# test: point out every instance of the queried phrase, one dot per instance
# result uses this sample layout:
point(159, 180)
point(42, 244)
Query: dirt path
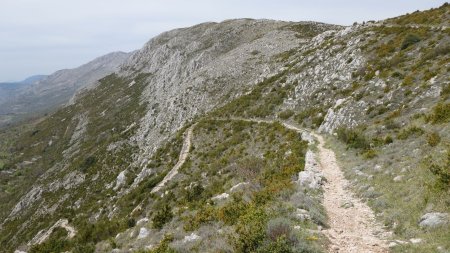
point(182, 158)
point(353, 228)
point(352, 222)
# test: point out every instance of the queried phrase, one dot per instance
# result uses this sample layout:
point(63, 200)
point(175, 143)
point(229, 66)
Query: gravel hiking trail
point(352, 224)
point(182, 158)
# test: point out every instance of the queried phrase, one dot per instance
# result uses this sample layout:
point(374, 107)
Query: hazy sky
point(41, 36)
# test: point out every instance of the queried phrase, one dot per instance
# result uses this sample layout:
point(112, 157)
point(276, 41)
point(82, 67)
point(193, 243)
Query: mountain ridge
point(52, 91)
point(378, 92)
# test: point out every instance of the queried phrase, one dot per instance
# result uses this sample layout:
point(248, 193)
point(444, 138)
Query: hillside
point(220, 138)
point(41, 94)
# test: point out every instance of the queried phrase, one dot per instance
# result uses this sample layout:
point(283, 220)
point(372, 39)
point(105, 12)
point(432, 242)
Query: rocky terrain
point(45, 93)
point(201, 142)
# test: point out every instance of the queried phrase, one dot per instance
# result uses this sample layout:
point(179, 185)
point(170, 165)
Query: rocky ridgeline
point(191, 71)
point(196, 69)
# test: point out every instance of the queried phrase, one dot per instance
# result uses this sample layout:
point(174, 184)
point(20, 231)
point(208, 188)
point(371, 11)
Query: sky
point(42, 36)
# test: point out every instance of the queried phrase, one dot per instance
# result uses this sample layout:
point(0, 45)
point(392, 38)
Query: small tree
point(162, 217)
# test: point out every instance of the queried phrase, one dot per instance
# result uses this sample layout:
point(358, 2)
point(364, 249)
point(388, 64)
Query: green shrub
point(84, 248)
point(286, 114)
point(441, 170)
point(369, 154)
point(162, 217)
point(441, 113)
point(317, 120)
point(88, 163)
point(410, 131)
point(353, 138)
point(388, 139)
point(251, 230)
point(231, 212)
point(131, 222)
point(163, 246)
point(433, 139)
point(445, 93)
point(407, 81)
point(409, 40)
point(194, 193)
point(99, 231)
point(279, 228)
point(280, 245)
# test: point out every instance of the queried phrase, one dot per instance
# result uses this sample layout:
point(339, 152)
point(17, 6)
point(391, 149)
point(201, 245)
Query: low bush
point(369, 154)
point(353, 138)
point(440, 114)
point(162, 217)
point(410, 131)
point(286, 114)
point(278, 228)
point(409, 40)
point(433, 139)
point(231, 212)
point(388, 139)
point(251, 230)
point(441, 169)
point(88, 163)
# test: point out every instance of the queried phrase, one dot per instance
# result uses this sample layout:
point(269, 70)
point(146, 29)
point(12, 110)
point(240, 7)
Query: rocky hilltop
point(201, 142)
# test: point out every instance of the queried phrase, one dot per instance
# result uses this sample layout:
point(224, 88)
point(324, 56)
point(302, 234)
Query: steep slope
point(378, 92)
point(50, 92)
point(119, 125)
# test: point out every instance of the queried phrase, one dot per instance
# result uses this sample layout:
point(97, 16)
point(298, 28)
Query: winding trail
point(352, 224)
point(353, 228)
point(182, 158)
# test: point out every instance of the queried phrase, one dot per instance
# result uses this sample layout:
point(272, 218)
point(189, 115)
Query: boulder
point(433, 220)
point(143, 232)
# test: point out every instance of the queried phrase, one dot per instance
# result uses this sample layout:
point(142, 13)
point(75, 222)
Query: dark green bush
point(88, 163)
point(162, 217)
point(410, 131)
point(433, 139)
point(388, 139)
point(441, 170)
point(409, 40)
point(99, 231)
point(286, 114)
point(441, 113)
point(131, 222)
point(84, 248)
point(353, 138)
point(194, 193)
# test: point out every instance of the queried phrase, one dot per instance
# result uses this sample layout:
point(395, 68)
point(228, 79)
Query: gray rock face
point(433, 220)
point(193, 70)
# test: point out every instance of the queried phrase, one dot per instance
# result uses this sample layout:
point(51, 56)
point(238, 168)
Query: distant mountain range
point(41, 93)
point(9, 88)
